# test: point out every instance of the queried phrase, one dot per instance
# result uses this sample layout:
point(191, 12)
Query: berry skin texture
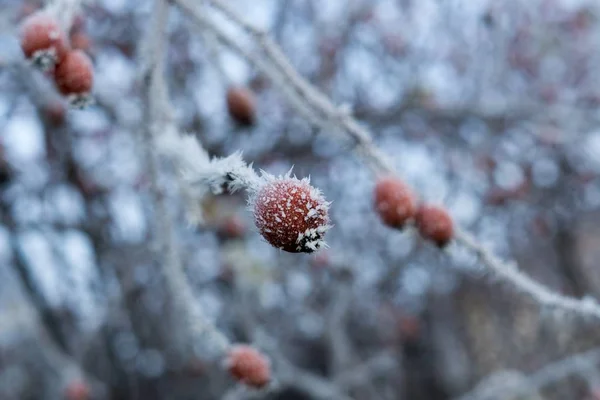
point(291, 214)
point(241, 105)
point(248, 365)
point(394, 202)
point(435, 224)
point(74, 74)
point(42, 40)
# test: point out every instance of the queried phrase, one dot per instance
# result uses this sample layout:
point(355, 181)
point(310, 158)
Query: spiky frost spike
point(290, 213)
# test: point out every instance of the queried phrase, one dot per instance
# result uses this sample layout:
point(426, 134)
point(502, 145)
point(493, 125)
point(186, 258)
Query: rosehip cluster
point(45, 44)
point(396, 205)
point(248, 365)
point(291, 214)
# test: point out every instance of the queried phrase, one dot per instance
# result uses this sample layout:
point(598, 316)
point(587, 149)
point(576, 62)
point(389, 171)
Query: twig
point(509, 272)
point(158, 120)
point(297, 89)
point(65, 11)
point(554, 372)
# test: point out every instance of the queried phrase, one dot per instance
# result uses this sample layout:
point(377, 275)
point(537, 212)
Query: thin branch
point(325, 114)
point(510, 273)
point(158, 120)
point(65, 11)
point(498, 386)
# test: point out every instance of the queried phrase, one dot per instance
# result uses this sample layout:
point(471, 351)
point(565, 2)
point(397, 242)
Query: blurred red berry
point(74, 75)
point(241, 105)
point(43, 40)
point(77, 390)
point(291, 215)
point(435, 224)
point(248, 365)
point(232, 227)
point(394, 202)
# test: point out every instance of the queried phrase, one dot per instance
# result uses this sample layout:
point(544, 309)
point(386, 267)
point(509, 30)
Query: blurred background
point(488, 108)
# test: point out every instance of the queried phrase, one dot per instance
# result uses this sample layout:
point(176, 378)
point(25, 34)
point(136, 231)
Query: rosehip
point(248, 365)
point(435, 224)
point(241, 105)
point(74, 76)
point(394, 202)
point(291, 214)
point(43, 40)
point(232, 227)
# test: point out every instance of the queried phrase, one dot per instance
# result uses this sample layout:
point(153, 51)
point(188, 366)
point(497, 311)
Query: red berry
point(43, 40)
point(435, 224)
point(248, 365)
point(75, 73)
point(394, 202)
point(74, 77)
point(232, 227)
point(241, 105)
point(77, 390)
point(291, 214)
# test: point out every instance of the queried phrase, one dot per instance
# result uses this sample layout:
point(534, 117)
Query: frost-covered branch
point(158, 120)
point(200, 172)
point(65, 11)
point(325, 114)
point(509, 272)
point(510, 385)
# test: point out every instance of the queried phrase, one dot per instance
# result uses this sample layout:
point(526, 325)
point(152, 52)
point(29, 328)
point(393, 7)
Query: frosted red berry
point(43, 40)
point(241, 105)
point(248, 365)
point(435, 224)
point(77, 390)
point(291, 214)
point(74, 77)
point(394, 202)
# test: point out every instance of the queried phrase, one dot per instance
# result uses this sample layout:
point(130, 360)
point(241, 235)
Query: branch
point(157, 115)
point(64, 11)
point(499, 386)
point(325, 114)
point(510, 273)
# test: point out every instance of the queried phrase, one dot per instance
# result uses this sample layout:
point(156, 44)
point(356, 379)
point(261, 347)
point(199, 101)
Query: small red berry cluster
point(248, 365)
point(397, 205)
point(46, 45)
